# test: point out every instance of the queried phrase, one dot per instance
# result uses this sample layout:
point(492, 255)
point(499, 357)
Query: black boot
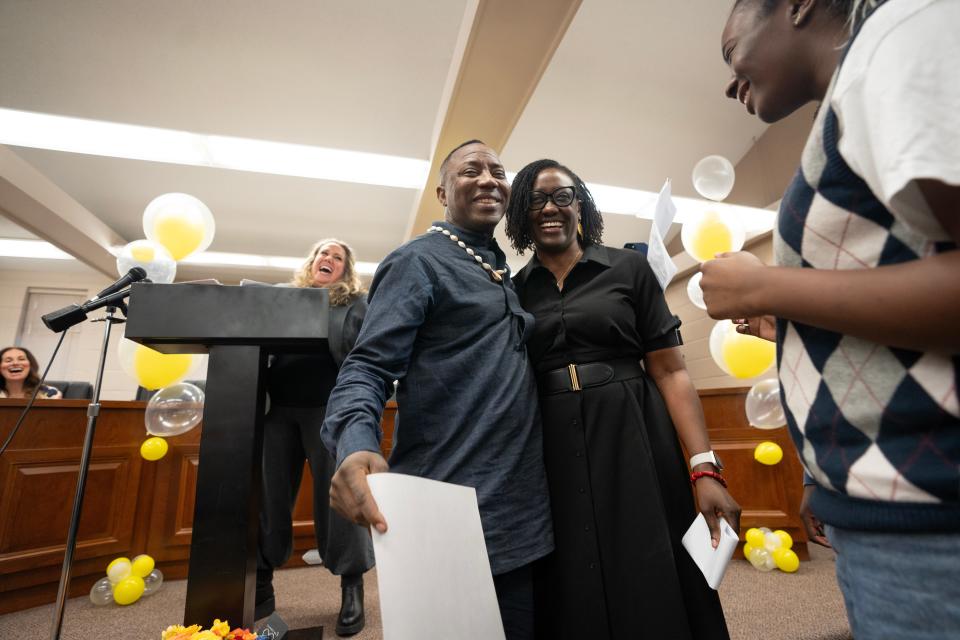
point(264, 601)
point(351, 618)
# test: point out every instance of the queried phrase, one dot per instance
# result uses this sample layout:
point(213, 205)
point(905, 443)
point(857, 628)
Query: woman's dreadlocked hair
point(518, 220)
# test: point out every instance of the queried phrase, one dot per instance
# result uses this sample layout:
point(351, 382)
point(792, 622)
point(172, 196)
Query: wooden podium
point(238, 327)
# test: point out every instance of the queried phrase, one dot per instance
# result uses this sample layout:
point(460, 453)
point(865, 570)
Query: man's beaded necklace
point(496, 274)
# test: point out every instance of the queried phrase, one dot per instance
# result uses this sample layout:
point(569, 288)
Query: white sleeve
point(900, 117)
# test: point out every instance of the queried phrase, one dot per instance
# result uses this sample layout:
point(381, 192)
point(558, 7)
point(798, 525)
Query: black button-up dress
point(619, 491)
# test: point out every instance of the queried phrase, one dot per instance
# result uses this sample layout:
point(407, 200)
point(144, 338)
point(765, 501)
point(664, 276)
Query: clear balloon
point(118, 569)
point(180, 222)
point(768, 453)
point(771, 541)
point(706, 234)
point(713, 177)
point(763, 407)
point(717, 336)
point(128, 590)
point(153, 257)
point(761, 559)
point(152, 369)
point(694, 292)
point(174, 410)
point(101, 593)
point(747, 356)
point(152, 582)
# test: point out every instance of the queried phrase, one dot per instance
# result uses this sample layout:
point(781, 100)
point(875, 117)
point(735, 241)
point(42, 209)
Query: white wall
point(696, 332)
point(86, 351)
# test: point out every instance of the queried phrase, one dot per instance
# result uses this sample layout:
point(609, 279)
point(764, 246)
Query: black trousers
point(290, 436)
point(515, 596)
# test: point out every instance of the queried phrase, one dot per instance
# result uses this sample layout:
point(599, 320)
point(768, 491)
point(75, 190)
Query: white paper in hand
point(432, 565)
point(712, 562)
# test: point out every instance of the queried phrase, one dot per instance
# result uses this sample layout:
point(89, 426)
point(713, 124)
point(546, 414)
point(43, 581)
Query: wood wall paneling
point(133, 506)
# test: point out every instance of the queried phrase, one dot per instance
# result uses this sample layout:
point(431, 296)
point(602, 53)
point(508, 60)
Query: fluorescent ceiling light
point(640, 203)
point(217, 258)
point(13, 248)
point(112, 139)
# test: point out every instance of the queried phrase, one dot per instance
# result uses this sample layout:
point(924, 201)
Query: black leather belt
point(576, 377)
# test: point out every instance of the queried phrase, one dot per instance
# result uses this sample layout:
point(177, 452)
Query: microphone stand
point(93, 410)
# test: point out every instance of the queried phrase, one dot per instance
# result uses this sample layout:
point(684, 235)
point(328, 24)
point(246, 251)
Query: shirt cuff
point(808, 479)
point(356, 438)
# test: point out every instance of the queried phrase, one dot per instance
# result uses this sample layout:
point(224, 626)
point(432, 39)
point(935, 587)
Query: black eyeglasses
point(562, 197)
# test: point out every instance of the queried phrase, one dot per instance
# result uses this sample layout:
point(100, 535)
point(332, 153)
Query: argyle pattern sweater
point(877, 428)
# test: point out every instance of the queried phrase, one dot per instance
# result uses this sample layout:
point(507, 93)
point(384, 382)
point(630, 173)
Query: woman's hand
point(759, 326)
point(731, 285)
point(714, 502)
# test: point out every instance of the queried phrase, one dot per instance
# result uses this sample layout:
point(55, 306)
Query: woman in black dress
point(620, 492)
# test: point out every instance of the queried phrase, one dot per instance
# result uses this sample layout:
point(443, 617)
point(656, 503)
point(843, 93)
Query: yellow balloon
point(785, 539)
point(128, 590)
point(768, 453)
point(712, 236)
point(180, 235)
point(754, 537)
point(142, 253)
point(747, 548)
point(153, 449)
point(118, 569)
point(155, 370)
point(143, 565)
point(787, 561)
point(747, 356)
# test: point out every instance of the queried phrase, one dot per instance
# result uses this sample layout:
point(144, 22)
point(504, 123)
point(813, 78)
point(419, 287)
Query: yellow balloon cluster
point(768, 550)
point(768, 453)
point(127, 581)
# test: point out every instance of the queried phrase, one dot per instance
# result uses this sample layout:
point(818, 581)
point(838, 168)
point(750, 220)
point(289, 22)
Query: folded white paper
point(657, 255)
point(712, 562)
point(432, 565)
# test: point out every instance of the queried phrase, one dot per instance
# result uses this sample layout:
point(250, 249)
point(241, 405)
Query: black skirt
point(621, 502)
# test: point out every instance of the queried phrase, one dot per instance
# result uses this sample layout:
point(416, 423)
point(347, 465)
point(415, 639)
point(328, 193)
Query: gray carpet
point(806, 605)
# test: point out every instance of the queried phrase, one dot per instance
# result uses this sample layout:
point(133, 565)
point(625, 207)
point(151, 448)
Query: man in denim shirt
point(446, 323)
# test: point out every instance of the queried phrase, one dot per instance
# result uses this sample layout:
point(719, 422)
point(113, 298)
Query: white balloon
point(180, 205)
point(763, 407)
point(707, 233)
point(717, 335)
point(174, 410)
point(101, 593)
point(152, 582)
point(152, 256)
point(713, 177)
point(694, 292)
point(772, 541)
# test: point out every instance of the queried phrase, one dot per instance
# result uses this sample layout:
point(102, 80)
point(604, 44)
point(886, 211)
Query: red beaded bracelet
point(696, 475)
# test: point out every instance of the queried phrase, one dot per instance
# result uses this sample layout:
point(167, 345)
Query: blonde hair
point(344, 290)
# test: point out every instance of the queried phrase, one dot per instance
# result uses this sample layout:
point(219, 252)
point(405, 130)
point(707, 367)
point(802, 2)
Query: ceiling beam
point(502, 51)
point(33, 201)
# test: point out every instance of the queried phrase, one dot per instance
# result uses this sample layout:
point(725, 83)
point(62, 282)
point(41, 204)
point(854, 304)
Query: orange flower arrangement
point(219, 630)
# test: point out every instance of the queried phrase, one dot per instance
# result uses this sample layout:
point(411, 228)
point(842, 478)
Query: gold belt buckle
point(574, 378)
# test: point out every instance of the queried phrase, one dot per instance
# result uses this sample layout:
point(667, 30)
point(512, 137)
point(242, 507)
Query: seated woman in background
point(19, 378)
point(620, 492)
point(299, 386)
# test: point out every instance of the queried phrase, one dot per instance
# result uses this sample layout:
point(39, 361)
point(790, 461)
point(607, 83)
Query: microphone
point(136, 274)
point(63, 319)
